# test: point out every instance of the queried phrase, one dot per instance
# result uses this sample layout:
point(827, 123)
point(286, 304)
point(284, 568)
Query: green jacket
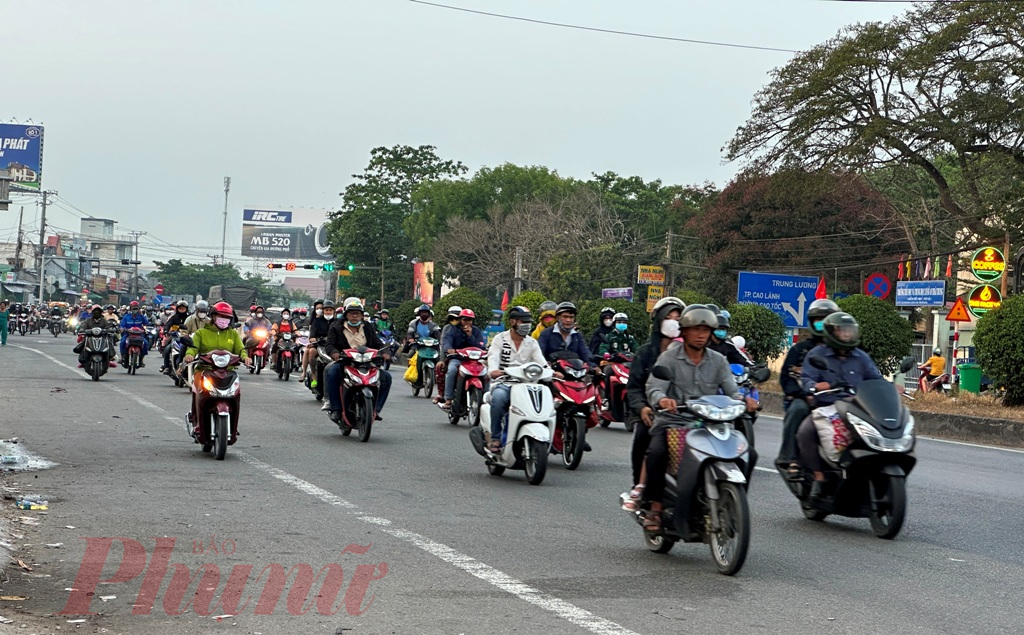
point(210, 338)
point(618, 343)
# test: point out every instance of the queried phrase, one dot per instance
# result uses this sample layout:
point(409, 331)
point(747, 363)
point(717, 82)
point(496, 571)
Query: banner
point(21, 153)
point(650, 274)
point(285, 234)
point(423, 288)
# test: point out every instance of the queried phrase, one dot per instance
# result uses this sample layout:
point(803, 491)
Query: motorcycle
point(23, 324)
point(55, 326)
point(153, 335)
point(526, 439)
point(136, 342)
point(217, 396)
point(937, 384)
point(869, 479)
point(287, 356)
point(99, 351)
point(390, 346)
point(258, 348)
point(706, 483)
point(574, 397)
point(180, 341)
point(469, 386)
point(428, 350)
point(359, 387)
point(746, 379)
point(612, 391)
point(33, 324)
point(315, 376)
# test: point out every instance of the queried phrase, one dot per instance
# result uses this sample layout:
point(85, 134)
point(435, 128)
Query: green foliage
point(763, 329)
point(467, 299)
point(884, 335)
point(531, 300)
point(694, 297)
point(404, 314)
point(589, 317)
point(582, 274)
point(181, 278)
point(999, 339)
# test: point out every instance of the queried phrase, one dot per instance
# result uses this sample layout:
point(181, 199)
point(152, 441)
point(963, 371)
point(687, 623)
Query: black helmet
point(698, 315)
point(841, 331)
point(607, 312)
point(821, 309)
point(567, 307)
point(328, 304)
point(317, 301)
point(723, 320)
point(520, 313)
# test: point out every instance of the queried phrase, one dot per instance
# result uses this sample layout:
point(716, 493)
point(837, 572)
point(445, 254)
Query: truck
point(239, 297)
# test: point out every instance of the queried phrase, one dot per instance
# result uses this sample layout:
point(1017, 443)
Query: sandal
point(631, 500)
point(494, 447)
point(652, 521)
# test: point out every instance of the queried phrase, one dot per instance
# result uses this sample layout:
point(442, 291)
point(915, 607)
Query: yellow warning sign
point(959, 312)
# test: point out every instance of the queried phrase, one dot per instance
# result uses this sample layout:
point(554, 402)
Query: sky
point(147, 106)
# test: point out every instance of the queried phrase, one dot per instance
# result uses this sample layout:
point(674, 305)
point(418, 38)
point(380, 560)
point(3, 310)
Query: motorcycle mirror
point(761, 375)
point(818, 363)
point(907, 363)
point(662, 372)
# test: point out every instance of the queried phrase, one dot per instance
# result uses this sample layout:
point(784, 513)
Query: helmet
point(317, 301)
point(384, 312)
point(547, 307)
point(467, 313)
point(723, 320)
point(698, 315)
point(454, 311)
point(841, 331)
point(202, 305)
point(259, 308)
point(111, 308)
point(135, 305)
point(95, 307)
point(222, 309)
point(352, 304)
point(181, 303)
point(301, 311)
point(328, 304)
point(607, 312)
point(520, 313)
point(424, 307)
point(621, 317)
point(252, 309)
point(565, 307)
point(937, 351)
point(671, 301)
point(821, 309)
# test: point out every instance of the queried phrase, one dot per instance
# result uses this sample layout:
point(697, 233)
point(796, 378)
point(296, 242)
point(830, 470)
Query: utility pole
point(42, 239)
point(668, 261)
point(382, 283)
point(135, 261)
point(224, 232)
point(1006, 258)
point(17, 251)
point(517, 283)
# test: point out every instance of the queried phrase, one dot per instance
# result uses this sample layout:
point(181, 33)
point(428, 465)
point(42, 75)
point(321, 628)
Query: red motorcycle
point(360, 385)
point(136, 342)
point(216, 398)
point(940, 383)
point(576, 411)
point(469, 386)
point(257, 347)
point(613, 390)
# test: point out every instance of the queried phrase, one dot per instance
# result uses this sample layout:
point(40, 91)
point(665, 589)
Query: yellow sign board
point(655, 292)
point(650, 303)
point(650, 274)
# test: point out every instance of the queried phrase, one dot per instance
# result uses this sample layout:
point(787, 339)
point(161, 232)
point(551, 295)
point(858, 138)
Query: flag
point(821, 293)
point(900, 275)
point(949, 266)
point(910, 270)
point(935, 274)
point(928, 269)
point(504, 301)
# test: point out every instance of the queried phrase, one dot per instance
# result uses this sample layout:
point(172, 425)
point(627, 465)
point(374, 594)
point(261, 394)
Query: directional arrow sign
point(785, 295)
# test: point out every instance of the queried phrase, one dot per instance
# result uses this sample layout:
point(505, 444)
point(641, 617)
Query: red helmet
point(223, 309)
point(467, 313)
point(133, 305)
point(95, 307)
point(252, 309)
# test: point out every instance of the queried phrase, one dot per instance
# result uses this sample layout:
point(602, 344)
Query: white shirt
point(503, 353)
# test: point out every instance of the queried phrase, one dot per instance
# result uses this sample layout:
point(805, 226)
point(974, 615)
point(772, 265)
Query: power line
point(599, 30)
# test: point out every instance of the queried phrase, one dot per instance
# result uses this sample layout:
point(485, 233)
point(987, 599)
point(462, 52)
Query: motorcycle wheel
point(94, 370)
point(473, 399)
point(658, 543)
point(729, 545)
point(287, 373)
point(259, 367)
point(415, 391)
point(364, 418)
point(604, 423)
point(573, 435)
point(428, 383)
point(495, 470)
point(220, 442)
point(252, 369)
point(133, 363)
point(891, 498)
point(537, 465)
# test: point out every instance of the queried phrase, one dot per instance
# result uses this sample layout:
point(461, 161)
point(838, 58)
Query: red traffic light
point(289, 266)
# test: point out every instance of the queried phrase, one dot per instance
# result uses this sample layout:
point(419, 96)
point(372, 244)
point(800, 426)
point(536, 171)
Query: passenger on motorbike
point(847, 366)
point(316, 318)
point(617, 342)
point(133, 318)
point(798, 401)
point(451, 321)
point(696, 371)
point(96, 319)
point(563, 336)
point(664, 330)
point(352, 332)
point(546, 319)
point(218, 335)
point(721, 343)
point(178, 320)
point(458, 336)
point(603, 330)
point(199, 319)
point(513, 347)
point(282, 326)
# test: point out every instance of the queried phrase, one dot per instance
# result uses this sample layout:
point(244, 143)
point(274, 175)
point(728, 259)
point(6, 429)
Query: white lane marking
point(520, 590)
point(764, 469)
point(973, 445)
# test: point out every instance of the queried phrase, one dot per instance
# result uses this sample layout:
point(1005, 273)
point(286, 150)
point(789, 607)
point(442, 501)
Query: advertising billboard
point(21, 153)
point(423, 288)
point(290, 233)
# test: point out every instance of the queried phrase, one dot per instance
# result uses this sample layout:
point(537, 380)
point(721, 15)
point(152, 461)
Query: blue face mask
point(818, 327)
point(721, 333)
point(620, 327)
point(353, 324)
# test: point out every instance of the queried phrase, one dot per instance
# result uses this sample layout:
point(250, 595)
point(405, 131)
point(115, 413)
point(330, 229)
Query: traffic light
point(351, 268)
point(289, 266)
point(274, 265)
point(328, 266)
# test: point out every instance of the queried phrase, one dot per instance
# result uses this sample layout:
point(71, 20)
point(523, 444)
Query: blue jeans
point(450, 377)
point(332, 377)
point(500, 396)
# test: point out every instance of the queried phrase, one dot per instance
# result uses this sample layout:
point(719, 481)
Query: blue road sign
point(788, 296)
point(921, 293)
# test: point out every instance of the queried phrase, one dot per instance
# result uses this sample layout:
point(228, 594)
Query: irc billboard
point(21, 153)
point(295, 233)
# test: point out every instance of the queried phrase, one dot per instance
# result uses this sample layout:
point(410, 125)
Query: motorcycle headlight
point(876, 441)
point(533, 372)
point(220, 361)
point(362, 358)
point(473, 354)
point(287, 336)
point(714, 413)
point(97, 331)
point(260, 333)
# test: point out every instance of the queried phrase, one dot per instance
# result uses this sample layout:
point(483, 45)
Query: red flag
point(900, 276)
point(949, 266)
point(821, 293)
point(504, 301)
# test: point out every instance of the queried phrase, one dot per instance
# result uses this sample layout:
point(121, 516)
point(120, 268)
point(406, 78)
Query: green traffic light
point(351, 267)
point(329, 266)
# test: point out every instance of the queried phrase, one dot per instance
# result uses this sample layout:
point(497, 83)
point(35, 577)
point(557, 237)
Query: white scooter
point(526, 440)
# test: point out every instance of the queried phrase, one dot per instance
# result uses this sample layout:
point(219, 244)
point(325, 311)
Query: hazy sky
point(148, 105)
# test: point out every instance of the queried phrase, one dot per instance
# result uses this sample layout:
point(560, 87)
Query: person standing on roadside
point(5, 314)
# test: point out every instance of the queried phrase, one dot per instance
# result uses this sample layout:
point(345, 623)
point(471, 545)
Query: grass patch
point(966, 404)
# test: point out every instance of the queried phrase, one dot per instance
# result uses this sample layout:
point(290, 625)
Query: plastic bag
point(412, 374)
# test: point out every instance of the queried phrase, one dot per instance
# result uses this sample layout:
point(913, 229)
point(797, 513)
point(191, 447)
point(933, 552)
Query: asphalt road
point(456, 550)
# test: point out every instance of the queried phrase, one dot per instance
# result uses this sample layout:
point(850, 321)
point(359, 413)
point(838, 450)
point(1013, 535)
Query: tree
point(531, 300)
point(999, 339)
point(583, 273)
point(763, 329)
point(405, 313)
point(942, 81)
point(589, 317)
point(695, 297)
point(467, 299)
point(884, 335)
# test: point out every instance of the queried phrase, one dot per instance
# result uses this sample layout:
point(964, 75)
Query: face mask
point(353, 324)
point(607, 322)
point(720, 334)
point(670, 328)
point(286, 316)
point(222, 322)
point(201, 314)
point(259, 315)
point(817, 327)
point(319, 311)
point(135, 311)
point(620, 327)
point(328, 316)
point(524, 329)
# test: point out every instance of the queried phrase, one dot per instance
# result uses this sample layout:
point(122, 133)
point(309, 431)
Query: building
point(107, 250)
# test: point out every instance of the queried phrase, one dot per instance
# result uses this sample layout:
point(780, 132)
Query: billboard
point(21, 153)
point(423, 288)
point(291, 233)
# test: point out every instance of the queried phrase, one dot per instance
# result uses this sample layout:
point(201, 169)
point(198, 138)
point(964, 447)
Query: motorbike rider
point(513, 347)
point(177, 319)
point(316, 315)
point(847, 365)
point(616, 342)
point(441, 369)
point(199, 319)
point(458, 336)
point(258, 320)
point(936, 365)
point(721, 343)
point(215, 336)
point(422, 326)
point(798, 401)
point(352, 332)
point(603, 330)
point(696, 371)
point(284, 325)
point(664, 330)
point(546, 319)
point(563, 336)
point(96, 319)
point(133, 318)
point(384, 322)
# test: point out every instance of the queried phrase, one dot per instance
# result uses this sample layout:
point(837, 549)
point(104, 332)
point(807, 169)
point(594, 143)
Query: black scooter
point(869, 480)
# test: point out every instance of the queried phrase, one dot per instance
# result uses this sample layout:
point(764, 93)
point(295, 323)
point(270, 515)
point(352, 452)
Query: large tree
point(943, 83)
